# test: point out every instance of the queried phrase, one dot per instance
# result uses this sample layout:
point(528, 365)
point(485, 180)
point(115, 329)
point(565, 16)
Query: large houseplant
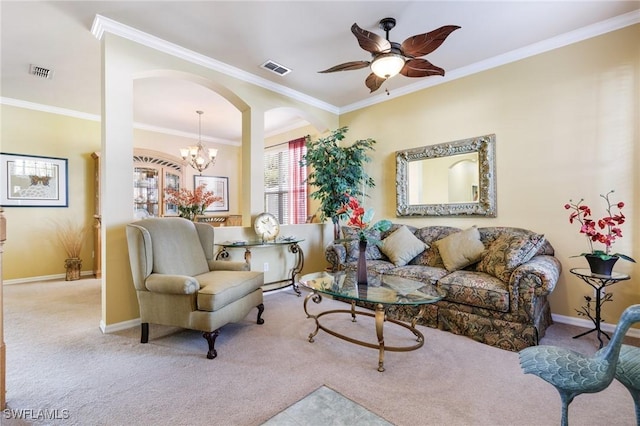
point(605, 231)
point(335, 171)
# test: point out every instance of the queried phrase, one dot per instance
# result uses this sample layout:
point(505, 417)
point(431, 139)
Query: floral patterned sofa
point(500, 299)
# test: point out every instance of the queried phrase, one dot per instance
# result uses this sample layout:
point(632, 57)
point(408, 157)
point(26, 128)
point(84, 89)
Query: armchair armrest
point(226, 265)
point(171, 284)
point(336, 255)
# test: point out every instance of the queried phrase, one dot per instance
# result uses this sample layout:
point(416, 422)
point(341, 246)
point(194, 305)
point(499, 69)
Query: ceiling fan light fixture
point(387, 65)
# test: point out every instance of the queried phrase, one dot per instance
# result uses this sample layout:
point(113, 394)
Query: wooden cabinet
point(153, 174)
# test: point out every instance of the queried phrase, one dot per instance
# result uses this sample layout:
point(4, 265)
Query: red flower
point(360, 218)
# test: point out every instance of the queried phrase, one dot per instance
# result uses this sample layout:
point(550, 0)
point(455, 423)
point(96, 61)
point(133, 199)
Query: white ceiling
point(306, 36)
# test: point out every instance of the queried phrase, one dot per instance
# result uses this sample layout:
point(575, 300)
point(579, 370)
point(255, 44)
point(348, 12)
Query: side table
point(598, 283)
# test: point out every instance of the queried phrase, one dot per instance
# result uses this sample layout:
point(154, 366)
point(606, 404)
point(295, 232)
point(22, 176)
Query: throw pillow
point(509, 251)
point(352, 245)
point(401, 246)
point(460, 249)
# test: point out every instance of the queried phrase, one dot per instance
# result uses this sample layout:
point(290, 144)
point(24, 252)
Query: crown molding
point(48, 108)
point(102, 24)
point(93, 117)
point(188, 135)
point(562, 40)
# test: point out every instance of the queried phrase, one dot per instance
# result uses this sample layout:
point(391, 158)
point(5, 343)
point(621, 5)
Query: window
point(285, 190)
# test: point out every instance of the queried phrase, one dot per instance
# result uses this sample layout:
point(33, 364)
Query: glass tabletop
point(382, 288)
point(256, 243)
point(585, 272)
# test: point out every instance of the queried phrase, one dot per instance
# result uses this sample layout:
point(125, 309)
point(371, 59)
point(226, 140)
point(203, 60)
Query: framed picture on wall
point(220, 187)
point(33, 181)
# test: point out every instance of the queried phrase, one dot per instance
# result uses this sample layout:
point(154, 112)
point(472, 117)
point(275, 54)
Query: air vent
point(276, 68)
point(40, 72)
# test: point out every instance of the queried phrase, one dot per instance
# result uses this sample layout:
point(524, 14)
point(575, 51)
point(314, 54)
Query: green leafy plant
point(337, 172)
point(605, 230)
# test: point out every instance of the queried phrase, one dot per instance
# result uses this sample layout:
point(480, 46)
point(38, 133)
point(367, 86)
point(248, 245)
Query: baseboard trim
point(609, 328)
point(43, 278)
point(119, 326)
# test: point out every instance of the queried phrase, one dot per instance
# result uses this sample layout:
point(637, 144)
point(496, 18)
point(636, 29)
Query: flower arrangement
point(191, 203)
point(361, 219)
point(605, 230)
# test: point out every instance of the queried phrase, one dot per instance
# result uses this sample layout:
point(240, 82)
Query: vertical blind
point(285, 190)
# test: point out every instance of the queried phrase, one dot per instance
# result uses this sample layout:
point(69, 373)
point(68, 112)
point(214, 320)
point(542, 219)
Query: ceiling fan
point(390, 58)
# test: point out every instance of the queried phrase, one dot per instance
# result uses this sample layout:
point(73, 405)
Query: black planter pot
point(600, 266)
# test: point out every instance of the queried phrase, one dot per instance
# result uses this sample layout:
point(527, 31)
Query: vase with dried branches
point(71, 236)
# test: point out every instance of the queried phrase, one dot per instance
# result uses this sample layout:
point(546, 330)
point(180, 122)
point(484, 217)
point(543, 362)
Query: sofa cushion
point(476, 289)
point(219, 288)
point(430, 234)
point(352, 245)
point(508, 251)
point(402, 246)
point(460, 249)
point(426, 274)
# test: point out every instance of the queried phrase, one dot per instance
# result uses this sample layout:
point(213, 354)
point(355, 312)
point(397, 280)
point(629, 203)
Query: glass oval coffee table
point(383, 291)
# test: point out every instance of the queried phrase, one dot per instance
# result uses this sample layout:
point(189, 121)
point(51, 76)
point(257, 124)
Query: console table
point(598, 283)
point(291, 243)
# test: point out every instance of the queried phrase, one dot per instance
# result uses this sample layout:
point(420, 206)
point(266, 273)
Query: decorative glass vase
point(601, 266)
point(361, 272)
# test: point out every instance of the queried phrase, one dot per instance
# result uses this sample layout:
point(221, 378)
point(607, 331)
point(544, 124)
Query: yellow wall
point(32, 249)
point(567, 127)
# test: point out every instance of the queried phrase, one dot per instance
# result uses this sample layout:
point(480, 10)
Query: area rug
point(326, 407)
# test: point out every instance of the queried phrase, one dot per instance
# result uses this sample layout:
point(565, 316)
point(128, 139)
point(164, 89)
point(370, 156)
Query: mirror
point(448, 179)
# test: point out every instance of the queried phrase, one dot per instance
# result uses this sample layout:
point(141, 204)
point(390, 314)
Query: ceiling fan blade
point(420, 68)
point(422, 44)
point(374, 82)
point(347, 66)
point(369, 41)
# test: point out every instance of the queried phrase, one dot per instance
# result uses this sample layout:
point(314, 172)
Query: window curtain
point(297, 185)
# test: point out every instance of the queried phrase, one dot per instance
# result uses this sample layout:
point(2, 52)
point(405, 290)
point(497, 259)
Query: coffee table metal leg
point(414, 321)
point(317, 298)
point(379, 325)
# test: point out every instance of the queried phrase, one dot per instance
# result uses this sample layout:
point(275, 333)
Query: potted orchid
point(605, 231)
point(191, 203)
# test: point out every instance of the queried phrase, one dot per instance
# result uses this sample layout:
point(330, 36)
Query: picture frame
point(220, 187)
point(33, 181)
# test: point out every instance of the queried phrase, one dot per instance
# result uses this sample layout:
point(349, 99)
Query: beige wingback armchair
point(179, 283)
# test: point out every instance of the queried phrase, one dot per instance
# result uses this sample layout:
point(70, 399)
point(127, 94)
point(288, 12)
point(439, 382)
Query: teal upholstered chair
point(180, 284)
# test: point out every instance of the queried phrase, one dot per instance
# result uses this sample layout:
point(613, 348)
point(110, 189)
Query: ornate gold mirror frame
point(481, 202)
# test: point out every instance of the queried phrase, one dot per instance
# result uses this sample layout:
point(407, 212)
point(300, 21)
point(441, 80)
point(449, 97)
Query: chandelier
point(198, 156)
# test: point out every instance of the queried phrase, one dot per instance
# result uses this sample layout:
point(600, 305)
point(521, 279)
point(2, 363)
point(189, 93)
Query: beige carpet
point(59, 362)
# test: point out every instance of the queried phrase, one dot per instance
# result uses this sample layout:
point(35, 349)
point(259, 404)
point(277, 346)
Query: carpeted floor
point(60, 364)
